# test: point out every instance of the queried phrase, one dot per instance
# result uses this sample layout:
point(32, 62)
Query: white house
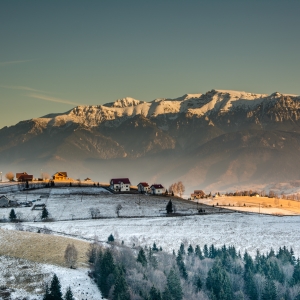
point(157, 189)
point(120, 184)
point(143, 187)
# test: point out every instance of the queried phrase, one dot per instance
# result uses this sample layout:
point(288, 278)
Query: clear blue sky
point(56, 54)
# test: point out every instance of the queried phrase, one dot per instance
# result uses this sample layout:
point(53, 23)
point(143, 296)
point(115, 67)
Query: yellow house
point(60, 176)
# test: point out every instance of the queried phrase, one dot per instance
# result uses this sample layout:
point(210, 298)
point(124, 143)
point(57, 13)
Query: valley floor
point(246, 231)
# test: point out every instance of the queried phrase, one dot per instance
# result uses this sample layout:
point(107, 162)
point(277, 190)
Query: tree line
point(194, 273)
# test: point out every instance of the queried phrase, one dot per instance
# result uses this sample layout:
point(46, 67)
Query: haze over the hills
point(217, 140)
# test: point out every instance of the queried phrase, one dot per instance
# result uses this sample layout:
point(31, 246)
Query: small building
point(38, 207)
point(143, 187)
point(23, 177)
point(197, 194)
point(157, 189)
point(4, 201)
point(60, 176)
point(120, 184)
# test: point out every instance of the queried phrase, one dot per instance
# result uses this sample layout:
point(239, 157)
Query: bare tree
point(177, 188)
point(45, 176)
point(180, 188)
point(95, 212)
point(118, 209)
point(10, 176)
point(173, 188)
point(19, 216)
point(71, 254)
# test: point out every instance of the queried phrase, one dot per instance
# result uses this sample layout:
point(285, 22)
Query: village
point(243, 201)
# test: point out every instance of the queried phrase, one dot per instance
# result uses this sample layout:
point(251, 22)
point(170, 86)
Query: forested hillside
point(193, 273)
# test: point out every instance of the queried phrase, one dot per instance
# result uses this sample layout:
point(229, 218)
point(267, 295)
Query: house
point(4, 201)
point(197, 194)
point(120, 184)
point(23, 177)
point(60, 176)
point(143, 187)
point(157, 189)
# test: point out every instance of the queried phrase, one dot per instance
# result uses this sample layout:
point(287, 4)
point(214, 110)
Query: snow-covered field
point(76, 203)
point(245, 231)
point(27, 279)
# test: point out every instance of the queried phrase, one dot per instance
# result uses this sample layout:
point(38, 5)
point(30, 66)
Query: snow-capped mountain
point(222, 137)
point(192, 105)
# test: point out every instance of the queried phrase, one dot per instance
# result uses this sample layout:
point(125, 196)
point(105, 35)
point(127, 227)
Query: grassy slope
point(39, 247)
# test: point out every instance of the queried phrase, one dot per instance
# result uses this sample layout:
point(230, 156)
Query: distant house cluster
point(123, 185)
point(115, 184)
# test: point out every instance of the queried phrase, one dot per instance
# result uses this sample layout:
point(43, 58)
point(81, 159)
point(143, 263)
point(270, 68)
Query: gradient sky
point(57, 54)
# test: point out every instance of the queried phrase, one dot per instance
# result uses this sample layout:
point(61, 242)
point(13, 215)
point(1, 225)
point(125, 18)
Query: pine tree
point(270, 292)
point(198, 252)
point(250, 287)
point(154, 294)
point(166, 295)
point(212, 251)
point(142, 258)
point(169, 207)
point(107, 267)
point(205, 251)
point(111, 238)
point(174, 286)
point(121, 288)
point(12, 215)
point(296, 273)
point(69, 294)
point(181, 265)
point(154, 247)
point(218, 282)
point(55, 289)
point(181, 249)
point(45, 213)
point(190, 250)
point(198, 283)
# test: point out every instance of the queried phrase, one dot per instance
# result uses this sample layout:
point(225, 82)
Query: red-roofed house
point(143, 187)
point(157, 189)
point(24, 177)
point(120, 184)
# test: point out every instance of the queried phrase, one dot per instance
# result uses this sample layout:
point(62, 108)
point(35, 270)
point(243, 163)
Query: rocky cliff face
point(220, 138)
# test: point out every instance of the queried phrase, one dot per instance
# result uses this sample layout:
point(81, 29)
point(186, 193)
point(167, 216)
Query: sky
point(55, 55)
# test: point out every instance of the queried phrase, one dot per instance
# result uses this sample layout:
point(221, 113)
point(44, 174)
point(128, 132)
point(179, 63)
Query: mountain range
point(218, 140)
